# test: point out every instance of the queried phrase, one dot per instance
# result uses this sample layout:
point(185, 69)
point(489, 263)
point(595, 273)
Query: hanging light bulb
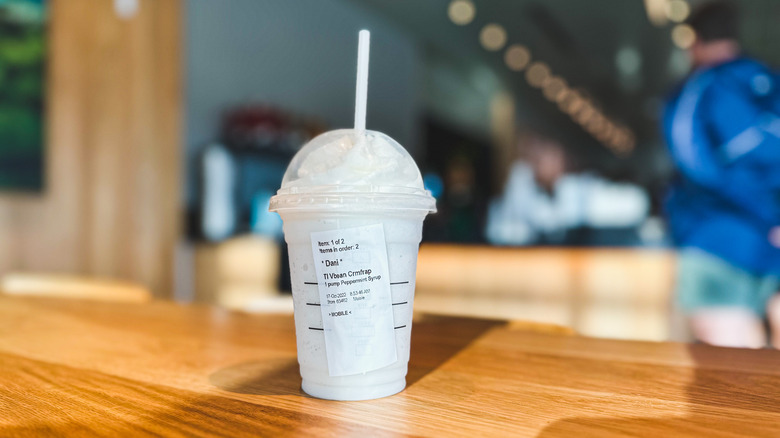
point(461, 12)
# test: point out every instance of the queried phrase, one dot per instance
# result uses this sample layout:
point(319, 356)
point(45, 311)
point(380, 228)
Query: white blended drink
point(353, 204)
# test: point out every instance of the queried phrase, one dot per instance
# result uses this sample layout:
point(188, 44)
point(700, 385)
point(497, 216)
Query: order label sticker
point(355, 299)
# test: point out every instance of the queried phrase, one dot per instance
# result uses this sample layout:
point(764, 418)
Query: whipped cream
point(359, 161)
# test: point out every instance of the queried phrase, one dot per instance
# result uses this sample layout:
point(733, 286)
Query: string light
point(585, 114)
point(537, 74)
point(570, 101)
point(554, 88)
point(595, 124)
point(683, 36)
point(517, 57)
point(606, 132)
point(492, 37)
point(461, 12)
point(677, 10)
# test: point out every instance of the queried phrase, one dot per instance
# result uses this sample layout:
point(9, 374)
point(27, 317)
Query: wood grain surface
point(89, 368)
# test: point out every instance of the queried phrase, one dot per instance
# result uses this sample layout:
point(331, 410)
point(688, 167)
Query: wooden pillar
point(112, 203)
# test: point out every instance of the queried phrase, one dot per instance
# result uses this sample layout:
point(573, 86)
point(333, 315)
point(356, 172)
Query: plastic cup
point(308, 204)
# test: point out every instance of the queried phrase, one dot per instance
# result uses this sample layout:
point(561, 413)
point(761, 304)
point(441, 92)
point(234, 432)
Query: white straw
point(361, 93)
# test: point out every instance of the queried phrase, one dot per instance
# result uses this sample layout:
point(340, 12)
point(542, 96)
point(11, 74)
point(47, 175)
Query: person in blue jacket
point(722, 126)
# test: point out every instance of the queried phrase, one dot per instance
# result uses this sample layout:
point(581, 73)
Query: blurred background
point(141, 140)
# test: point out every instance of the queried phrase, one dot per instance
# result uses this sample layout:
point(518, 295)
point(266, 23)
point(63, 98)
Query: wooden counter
point(70, 367)
point(618, 293)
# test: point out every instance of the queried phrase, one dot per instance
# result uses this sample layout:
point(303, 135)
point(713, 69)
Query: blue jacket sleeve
point(744, 132)
point(693, 143)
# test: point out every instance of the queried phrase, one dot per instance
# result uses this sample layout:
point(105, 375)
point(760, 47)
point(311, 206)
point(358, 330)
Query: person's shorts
point(706, 281)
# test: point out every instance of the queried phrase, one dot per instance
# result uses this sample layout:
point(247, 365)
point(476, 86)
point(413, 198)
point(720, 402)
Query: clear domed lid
point(349, 162)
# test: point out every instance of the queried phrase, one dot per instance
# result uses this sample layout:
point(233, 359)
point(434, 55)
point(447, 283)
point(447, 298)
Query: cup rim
point(337, 197)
